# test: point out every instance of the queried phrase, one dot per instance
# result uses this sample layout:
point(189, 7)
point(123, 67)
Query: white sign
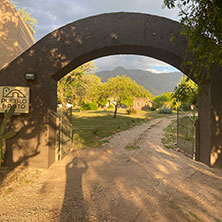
point(10, 95)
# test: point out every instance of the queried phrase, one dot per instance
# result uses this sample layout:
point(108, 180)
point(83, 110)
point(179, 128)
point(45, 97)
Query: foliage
point(202, 25)
point(166, 109)
point(122, 90)
point(79, 86)
point(131, 111)
point(169, 139)
point(186, 93)
point(185, 138)
point(90, 106)
point(26, 16)
point(90, 128)
point(159, 101)
point(5, 136)
point(156, 84)
point(132, 147)
point(110, 106)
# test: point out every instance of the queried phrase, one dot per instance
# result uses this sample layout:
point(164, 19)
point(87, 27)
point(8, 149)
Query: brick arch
point(70, 46)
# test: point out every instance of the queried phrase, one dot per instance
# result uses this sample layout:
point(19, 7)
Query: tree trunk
point(115, 112)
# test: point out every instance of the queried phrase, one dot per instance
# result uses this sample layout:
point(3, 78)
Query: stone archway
point(76, 43)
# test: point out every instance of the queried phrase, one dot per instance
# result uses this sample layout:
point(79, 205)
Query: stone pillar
point(216, 119)
point(203, 151)
point(35, 141)
point(210, 120)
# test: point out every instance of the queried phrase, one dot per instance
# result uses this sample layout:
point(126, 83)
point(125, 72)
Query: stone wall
point(15, 35)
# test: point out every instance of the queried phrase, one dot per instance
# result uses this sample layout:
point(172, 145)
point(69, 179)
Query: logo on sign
point(14, 95)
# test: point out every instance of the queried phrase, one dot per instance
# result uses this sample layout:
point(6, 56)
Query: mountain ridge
point(155, 83)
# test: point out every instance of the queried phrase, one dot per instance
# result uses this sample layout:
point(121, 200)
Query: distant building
point(15, 34)
point(142, 103)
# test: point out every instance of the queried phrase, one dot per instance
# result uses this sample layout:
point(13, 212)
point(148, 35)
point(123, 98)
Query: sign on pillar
point(17, 95)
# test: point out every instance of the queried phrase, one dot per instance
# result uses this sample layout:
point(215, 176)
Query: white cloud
point(56, 13)
point(133, 62)
point(52, 14)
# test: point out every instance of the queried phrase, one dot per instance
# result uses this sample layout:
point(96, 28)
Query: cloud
point(126, 61)
point(133, 62)
point(55, 13)
point(52, 14)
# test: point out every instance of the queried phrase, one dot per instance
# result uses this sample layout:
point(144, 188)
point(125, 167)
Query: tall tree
point(186, 93)
point(202, 25)
point(75, 85)
point(26, 16)
point(122, 90)
point(159, 101)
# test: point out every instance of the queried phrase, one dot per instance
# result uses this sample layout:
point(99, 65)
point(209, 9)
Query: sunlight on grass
point(185, 137)
point(91, 127)
point(170, 135)
point(132, 147)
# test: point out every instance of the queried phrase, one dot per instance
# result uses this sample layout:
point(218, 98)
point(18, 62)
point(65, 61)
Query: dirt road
point(114, 184)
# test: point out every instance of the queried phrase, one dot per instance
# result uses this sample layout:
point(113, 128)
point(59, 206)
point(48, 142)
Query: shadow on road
point(73, 208)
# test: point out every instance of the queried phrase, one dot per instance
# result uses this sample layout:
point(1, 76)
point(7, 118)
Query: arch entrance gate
point(76, 43)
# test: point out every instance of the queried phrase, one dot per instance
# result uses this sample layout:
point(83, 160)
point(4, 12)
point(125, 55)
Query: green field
point(90, 128)
point(186, 135)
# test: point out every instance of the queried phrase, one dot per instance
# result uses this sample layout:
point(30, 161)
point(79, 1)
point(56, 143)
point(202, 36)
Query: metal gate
point(64, 134)
point(187, 131)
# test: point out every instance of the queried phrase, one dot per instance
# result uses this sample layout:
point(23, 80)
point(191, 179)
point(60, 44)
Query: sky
point(52, 14)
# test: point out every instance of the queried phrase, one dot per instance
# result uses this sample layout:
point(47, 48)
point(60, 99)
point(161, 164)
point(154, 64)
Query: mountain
point(155, 83)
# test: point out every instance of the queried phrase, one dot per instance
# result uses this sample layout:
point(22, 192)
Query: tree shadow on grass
point(89, 131)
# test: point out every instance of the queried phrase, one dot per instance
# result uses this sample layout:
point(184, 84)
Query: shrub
point(90, 106)
point(159, 101)
point(131, 111)
point(153, 108)
point(110, 106)
point(165, 109)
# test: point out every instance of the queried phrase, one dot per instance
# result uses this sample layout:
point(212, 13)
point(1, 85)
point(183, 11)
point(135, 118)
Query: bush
point(90, 106)
point(165, 110)
point(110, 106)
point(185, 107)
point(153, 108)
point(131, 111)
point(159, 101)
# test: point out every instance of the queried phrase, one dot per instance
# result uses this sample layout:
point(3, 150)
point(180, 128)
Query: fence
point(64, 134)
point(187, 133)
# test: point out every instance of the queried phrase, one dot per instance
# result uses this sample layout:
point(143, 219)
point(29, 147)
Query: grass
point(186, 128)
point(132, 147)
point(90, 128)
point(186, 135)
point(193, 217)
point(170, 135)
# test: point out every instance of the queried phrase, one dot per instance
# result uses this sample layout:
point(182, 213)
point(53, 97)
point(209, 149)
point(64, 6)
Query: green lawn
point(170, 135)
point(186, 128)
point(186, 135)
point(90, 128)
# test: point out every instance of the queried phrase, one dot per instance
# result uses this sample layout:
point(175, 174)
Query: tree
point(202, 25)
point(74, 87)
point(186, 93)
point(159, 101)
point(122, 90)
point(26, 16)
point(87, 91)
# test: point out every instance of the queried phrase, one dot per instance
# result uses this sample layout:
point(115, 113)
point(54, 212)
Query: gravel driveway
point(114, 184)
